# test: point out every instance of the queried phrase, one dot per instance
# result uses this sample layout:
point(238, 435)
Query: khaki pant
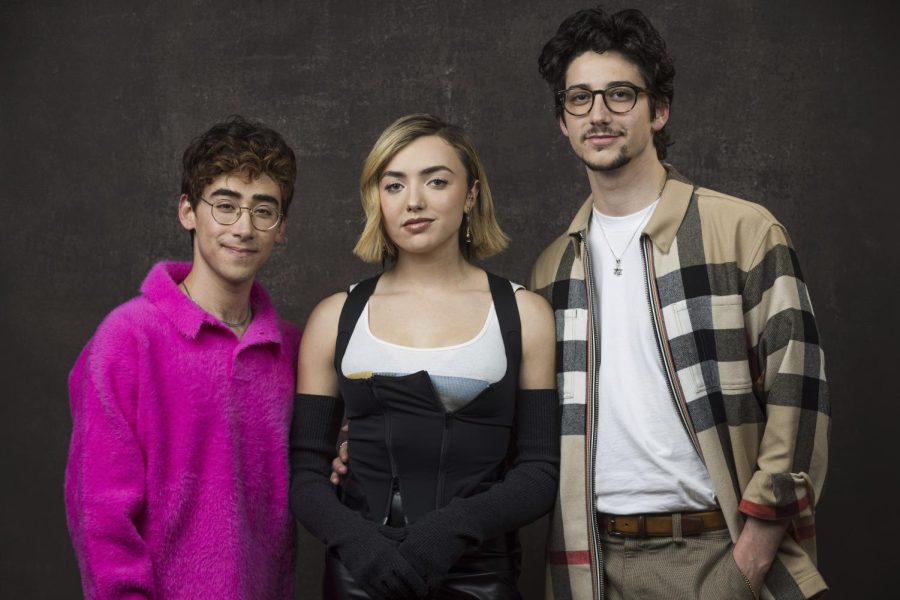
point(698, 567)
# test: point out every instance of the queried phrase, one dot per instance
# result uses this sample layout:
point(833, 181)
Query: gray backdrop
point(792, 104)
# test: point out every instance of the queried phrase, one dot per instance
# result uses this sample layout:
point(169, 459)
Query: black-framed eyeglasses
point(619, 98)
point(263, 217)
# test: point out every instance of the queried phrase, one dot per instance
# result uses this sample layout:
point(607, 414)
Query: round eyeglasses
point(263, 217)
point(619, 98)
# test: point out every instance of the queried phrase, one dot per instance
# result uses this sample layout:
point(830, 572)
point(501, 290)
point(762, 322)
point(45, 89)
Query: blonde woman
point(446, 374)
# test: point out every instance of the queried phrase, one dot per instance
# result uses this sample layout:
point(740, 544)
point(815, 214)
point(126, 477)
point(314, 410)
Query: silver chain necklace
point(617, 270)
point(237, 325)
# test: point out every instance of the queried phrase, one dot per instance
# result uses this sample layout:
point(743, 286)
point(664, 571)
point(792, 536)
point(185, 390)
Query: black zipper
point(445, 444)
point(388, 444)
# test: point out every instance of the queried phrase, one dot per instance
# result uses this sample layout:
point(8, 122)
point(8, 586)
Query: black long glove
point(369, 551)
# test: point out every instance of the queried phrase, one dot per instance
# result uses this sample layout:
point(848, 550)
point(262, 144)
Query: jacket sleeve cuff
point(774, 496)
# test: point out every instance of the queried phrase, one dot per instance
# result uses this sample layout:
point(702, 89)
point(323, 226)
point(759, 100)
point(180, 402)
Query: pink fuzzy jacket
point(177, 481)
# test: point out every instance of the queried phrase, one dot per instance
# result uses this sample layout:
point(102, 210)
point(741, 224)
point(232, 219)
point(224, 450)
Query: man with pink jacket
point(177, 480)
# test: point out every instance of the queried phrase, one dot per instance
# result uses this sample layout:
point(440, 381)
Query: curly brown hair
point(238, 145)
point(629, 32)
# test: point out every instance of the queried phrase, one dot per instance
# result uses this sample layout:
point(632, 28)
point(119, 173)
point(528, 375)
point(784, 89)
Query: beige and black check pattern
point(739, 339)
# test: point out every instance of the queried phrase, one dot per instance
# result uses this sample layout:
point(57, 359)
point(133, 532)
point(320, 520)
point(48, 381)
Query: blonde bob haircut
point(374, 245)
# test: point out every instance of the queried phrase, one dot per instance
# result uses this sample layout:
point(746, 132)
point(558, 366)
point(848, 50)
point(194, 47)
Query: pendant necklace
point(617, 270)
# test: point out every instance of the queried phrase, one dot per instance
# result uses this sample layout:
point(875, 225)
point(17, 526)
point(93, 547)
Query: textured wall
point(787, 103)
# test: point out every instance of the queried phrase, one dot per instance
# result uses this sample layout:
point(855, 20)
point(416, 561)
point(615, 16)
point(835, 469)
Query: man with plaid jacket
point(695, 412)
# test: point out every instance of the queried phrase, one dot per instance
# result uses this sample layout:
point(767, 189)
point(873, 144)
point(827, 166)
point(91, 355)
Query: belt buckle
point(611, 526)
point(641, 527)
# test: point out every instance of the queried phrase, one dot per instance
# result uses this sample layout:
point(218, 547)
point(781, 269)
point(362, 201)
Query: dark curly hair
point(238, 145)
point(628, 32)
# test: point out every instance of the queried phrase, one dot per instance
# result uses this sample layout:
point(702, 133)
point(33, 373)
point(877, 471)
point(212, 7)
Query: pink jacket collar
point(161, 288)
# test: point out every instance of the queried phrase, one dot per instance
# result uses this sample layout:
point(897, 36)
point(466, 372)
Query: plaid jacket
point(740, 348)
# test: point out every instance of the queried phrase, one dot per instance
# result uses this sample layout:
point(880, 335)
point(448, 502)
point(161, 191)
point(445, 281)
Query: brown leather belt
point(660, 525)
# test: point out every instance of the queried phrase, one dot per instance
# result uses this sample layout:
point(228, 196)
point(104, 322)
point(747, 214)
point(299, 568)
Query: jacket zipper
point(594, 536)
point(662, 344)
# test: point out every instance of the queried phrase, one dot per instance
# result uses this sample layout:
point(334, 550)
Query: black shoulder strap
point(508, 317)
point(353, 307)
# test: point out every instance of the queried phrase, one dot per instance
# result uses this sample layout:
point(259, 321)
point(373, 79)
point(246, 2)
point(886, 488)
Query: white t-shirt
point(645, 461)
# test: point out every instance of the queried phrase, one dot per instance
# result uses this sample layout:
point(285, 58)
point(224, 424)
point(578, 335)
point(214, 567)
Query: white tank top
point(459, 372)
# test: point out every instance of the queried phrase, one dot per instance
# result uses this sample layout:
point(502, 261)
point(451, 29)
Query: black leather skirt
point(488, 572)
